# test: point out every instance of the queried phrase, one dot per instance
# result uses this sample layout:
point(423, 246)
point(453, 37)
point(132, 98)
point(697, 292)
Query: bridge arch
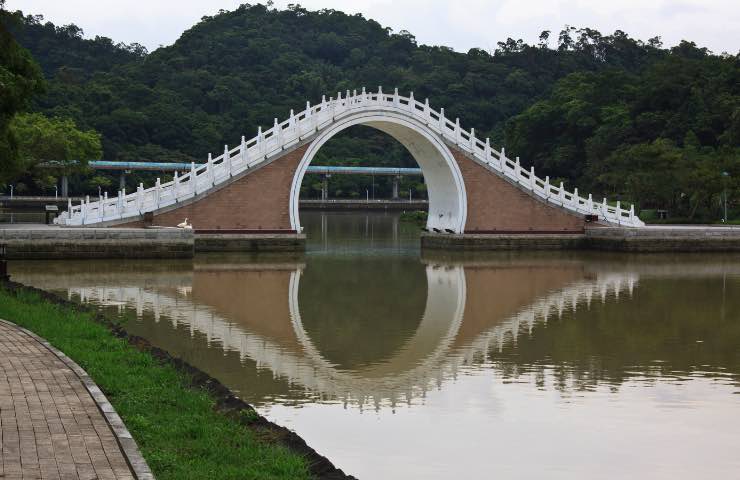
point(473, 188)
point(445, 184)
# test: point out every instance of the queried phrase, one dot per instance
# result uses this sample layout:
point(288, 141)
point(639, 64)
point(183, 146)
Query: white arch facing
point(445, 185)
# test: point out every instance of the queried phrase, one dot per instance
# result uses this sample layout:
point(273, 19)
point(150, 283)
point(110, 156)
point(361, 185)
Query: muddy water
point(401, 364)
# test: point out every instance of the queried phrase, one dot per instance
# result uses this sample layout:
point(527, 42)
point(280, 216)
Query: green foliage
point(20, 77)
point(569, 109)
point(50, 147)
point(179, 433)
point(662, 135)
point(41, 138)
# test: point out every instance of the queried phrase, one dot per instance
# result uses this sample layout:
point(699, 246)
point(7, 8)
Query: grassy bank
point(177, 426)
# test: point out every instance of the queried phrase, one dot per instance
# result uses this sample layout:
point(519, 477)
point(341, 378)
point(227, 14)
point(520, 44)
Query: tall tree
point(20, 77)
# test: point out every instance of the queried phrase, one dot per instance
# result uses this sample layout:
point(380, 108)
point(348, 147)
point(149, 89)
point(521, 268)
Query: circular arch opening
point(445, 186)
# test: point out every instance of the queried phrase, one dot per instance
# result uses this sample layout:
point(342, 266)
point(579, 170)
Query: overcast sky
point(460, 24)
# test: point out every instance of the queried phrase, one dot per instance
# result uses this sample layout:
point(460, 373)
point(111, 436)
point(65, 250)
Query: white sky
point(461, 24)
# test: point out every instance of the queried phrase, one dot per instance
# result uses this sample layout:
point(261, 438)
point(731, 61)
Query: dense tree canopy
point(607, 112)
point(20, 77)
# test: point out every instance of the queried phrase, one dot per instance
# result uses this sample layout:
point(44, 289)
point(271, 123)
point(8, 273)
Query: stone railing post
point(193, 182)
point(260, 143)
point(140, 197)
point(242, 153)
point(227, 160)
point(157, 192)
point(277, 132)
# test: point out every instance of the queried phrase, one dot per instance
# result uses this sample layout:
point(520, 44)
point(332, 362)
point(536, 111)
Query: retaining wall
point(83, 243)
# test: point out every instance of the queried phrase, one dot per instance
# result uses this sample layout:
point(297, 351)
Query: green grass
point(175, 425)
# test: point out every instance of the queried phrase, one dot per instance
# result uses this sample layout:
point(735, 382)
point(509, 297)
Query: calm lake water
point(397, 363)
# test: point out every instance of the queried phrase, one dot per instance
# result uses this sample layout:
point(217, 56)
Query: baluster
point(83, 209)
point(210, 170)
point(427, 115)
point(193, 186)
point(502, 159)
point(242, 152)
point(547, 186)
point(140, 196)
point(227, 159)
point(347, 98)
point(277, 132)
point(175, 185)
point(157, 193)
point(590, 203)
point(604, 208)
point(442, 121)
point(562, 193)
point(309, 116)
point(412, 102)
point(457, 130)
point(576, 199)
point(619, 210)
point(517, 170)
point(380, 94)
point(101, 205)
point(532, 183)
point(364, 96)
point(472, 140)
point(487, 151)
point(260, 144)
point(632, 211)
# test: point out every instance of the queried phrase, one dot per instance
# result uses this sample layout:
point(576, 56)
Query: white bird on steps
point(184, 224)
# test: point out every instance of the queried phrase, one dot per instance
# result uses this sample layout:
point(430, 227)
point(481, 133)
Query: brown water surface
point(401, 364)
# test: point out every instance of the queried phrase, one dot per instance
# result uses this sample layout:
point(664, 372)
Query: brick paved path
point(50, 425)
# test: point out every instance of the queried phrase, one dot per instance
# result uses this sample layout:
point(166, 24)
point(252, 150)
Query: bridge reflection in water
point(326, 329)
point(396, 366)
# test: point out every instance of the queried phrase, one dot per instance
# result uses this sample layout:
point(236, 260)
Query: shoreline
point(225, 403)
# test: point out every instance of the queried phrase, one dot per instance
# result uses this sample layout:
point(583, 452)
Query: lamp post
point(726, 175)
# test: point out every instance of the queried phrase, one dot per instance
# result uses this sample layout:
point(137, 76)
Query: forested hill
point(567, 104)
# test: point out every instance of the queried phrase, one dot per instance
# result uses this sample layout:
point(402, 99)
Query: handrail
point(297, 127)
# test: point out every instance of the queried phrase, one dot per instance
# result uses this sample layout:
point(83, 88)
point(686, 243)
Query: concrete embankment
point(667, 238)
point(242, 242)
point(82, 243)
point(42, 242)
point(47, 242)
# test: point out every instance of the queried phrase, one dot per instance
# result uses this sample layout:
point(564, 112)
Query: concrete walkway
point(54, 422)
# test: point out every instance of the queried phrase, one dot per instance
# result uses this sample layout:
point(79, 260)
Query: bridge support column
point(396, 182)
point(65, 186)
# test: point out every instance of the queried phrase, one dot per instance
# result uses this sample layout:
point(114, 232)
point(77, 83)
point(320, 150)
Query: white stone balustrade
point(269, 144)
